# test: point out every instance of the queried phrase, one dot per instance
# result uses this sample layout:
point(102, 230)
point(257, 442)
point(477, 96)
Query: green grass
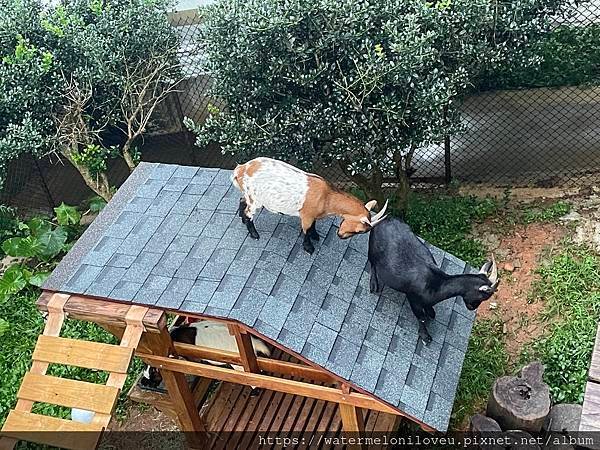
point(486, 360)
point(17, 344)
point(545, 212)
point(446, 221)
point(570, 286)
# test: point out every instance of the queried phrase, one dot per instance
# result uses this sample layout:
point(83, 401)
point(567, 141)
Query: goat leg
point(312, 232)
point(247, 220)
point(307, 244)
point(421, 314)
point(375, 286)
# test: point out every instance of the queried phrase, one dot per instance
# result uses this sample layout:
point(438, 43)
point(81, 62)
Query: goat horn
point(494, 272)
point(379, 216)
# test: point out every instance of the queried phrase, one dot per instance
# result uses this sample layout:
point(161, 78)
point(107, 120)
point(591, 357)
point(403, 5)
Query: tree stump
point(521, 402)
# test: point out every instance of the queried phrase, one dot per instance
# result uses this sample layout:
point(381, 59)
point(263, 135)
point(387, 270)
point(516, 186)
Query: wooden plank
point(194, 352)
point(47, 430)
point(179, 391)
point(352, 422)
point(89, 355)
point(269, 382)
point(245, 348)
point(103, 311)
point(69, 393)
point(54, 323)
point(594, 373)
point(590, 414)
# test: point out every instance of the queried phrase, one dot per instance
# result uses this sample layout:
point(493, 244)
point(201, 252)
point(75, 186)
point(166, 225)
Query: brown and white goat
point(285, 189)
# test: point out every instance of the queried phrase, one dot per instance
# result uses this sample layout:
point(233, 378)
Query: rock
point(520, 402)
point(484, 426)
point(521, 440)
point(573, 216)
point(480, 423)
point(517, 263)
point(509, 267)
point(493, 305)
point(562, 418)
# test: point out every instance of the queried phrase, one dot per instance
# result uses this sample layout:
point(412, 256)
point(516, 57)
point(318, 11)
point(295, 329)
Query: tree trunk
point(402, 192)
point(127, 156)
point(521, 402)
point(100, 184)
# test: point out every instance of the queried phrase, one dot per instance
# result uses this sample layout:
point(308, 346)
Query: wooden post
point(179, 391)
point(245, 348)
point(352, 423)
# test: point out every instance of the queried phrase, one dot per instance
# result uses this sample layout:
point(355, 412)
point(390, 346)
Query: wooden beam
point(268, 382)
point(103, 312)
point(179, 391)
point(245, 348)
point(195, 352)
point(352, 423)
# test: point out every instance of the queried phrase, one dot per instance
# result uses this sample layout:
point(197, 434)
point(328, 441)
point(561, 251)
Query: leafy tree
point(74, 72)
point(361, 84)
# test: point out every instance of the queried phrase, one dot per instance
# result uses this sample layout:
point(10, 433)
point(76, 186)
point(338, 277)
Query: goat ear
point(371, 204)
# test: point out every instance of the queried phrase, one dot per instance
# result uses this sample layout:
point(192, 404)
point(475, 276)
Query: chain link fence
point(540, 127)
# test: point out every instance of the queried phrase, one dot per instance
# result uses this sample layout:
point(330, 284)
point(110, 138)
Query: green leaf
point(14, 279)
point(52, 243)
point(4, 326)
point(67, 215)
point(22, 247)
point(38, 226)
point(97, 204)
point(39, 278)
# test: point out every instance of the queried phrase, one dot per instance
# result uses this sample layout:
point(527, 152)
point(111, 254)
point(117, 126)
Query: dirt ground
point(518, 255)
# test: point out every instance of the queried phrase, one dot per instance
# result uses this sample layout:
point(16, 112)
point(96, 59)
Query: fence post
point(45, 184)
point(447, 162)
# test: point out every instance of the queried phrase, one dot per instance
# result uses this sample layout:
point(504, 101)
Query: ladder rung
point(89, 355)
point(51, 431)
point(70, 393)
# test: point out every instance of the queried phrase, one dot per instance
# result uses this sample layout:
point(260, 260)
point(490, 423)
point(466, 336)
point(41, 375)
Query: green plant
point(9, 225)
point(446, 222)
point(545, 212)
point(71, 71)
point(570, 286)
point(486, 360)
point(38, 247)
point(359, 84)
point(569, 55)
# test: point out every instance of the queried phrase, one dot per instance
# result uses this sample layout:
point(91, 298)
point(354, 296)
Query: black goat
point(401, 261)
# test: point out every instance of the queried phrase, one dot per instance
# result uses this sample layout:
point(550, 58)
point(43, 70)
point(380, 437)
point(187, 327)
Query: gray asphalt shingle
point(171, 237)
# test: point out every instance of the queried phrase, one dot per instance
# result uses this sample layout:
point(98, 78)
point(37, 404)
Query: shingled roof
point(171, 238)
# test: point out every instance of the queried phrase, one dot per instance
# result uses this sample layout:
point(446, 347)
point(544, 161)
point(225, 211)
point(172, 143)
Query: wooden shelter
point(170, 241)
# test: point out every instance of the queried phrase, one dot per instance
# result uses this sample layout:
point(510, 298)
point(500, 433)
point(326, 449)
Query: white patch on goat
point(278, 186)
point(146, 374)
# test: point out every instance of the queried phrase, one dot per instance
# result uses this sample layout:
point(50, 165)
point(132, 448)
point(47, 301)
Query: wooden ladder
point(22, 424)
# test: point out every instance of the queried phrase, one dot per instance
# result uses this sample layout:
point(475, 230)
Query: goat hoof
point(426, 339)
point(254, 235)
point(310, 249)
point(255, 392)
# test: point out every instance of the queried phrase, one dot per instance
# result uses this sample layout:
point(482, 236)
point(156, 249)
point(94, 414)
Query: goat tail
point(260, 347)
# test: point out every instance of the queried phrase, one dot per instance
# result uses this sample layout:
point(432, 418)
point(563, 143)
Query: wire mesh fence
point(539, 127)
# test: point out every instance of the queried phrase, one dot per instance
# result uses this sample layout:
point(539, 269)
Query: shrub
point(359, 83)
point(71, 72)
